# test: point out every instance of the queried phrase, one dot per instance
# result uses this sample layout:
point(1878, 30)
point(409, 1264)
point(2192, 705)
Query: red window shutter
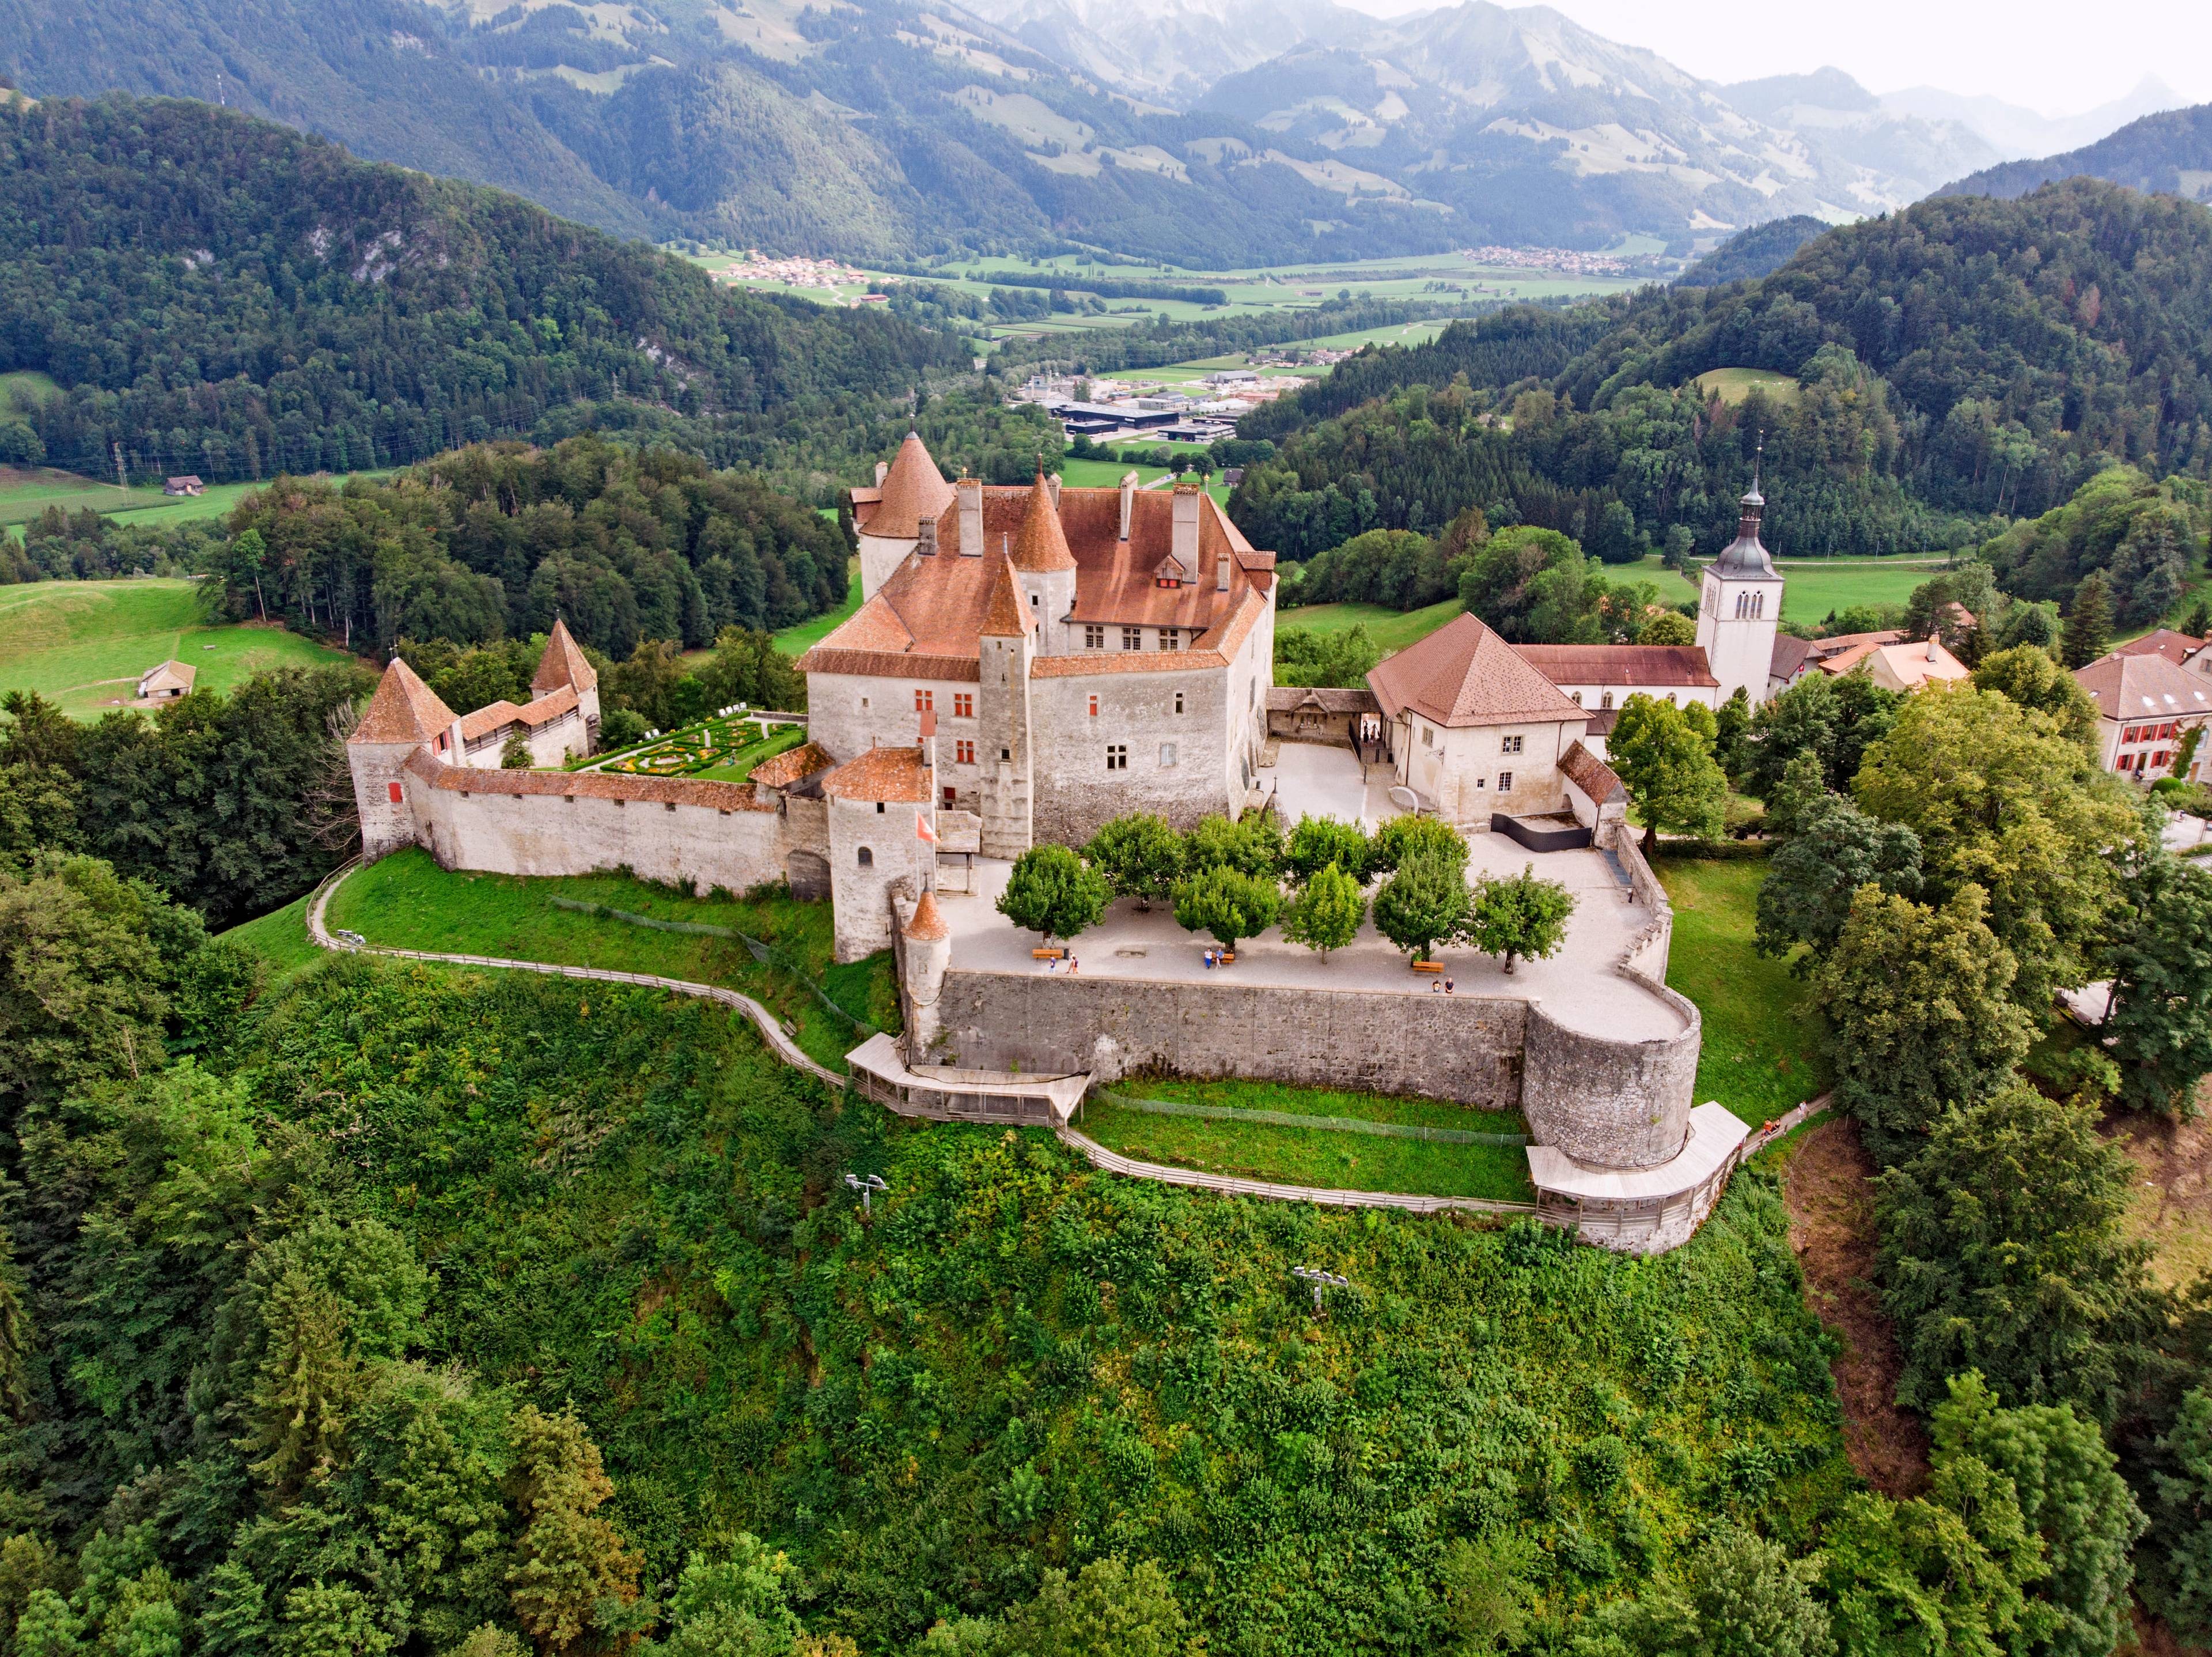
point(398, 795)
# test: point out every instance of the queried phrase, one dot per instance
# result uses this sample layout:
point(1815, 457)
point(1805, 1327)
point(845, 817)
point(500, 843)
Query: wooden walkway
point(780, 1043)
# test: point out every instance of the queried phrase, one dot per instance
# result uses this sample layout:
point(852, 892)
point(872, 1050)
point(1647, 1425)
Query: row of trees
point(1228, 879)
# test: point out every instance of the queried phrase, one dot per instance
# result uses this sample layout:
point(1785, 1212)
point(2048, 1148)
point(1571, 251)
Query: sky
point(2057, 56)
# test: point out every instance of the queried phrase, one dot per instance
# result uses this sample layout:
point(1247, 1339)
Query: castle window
point(925, 700)
point(867, 858)
point(949, 795)
point(1178, 701)
point(1094, 639)
point(1428, 737)
point(1167, 756)
point(1117, 756)
point(1576, 697)
point(1133, 638)
point(1505, 782)
point(964, 753)
point(879, 808)
point(1509, 745)
point(963, 704)
point(1005, 753)
point(1170, 638)
point(399, 793)
point(1605, 701)
point(1094, 707)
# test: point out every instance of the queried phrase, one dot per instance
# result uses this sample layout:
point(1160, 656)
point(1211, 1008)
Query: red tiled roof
point(563, 663)
point(1592, 775)
point(404, 709)
point(1632, 665)
point(1005, 615)
point(499, 715)
point(1789, 654)
point(926, 923)
point(782, 770)
point(1040, 547)
point(489, 718)
point(588, 785)
point(2166, 642)
point(2144, 687)
point(890, 664)
point(914, 489)
point(1464, 674)
point(892, 775)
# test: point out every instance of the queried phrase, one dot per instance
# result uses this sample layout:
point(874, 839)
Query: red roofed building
point(2146, 706)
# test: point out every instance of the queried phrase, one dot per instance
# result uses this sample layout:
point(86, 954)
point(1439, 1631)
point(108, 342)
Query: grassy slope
point(1734, 384)
point(280, 938)
point(67, 640)
point(407, 902)
point(1761, 1054)
point(1394, 630)
point(1317, 1156)
point(1812, 588)
point(798, 639)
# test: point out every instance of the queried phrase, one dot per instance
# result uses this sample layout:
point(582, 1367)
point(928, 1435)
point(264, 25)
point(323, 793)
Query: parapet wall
point(1465, 1048)
point(580, 834)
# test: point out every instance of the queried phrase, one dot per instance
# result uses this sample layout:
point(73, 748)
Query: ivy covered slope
point(624, 1205)
point(226, 296)
point(1962, 359)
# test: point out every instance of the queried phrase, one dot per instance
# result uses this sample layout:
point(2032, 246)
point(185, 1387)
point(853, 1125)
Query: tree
point(1668, 627)
point(2199, 623)
point(1052, 892)
point(738, 1605)
point(1487, 1594)
point(1335, 660)
point(1138, 856)
point(2177, 1576)
point(1941, 1572)
point(1668, 765)
point(2001, 800)
point(1225, 901)
point(1253, 844)
point(1812, 878)
point(83, 976)
point(2088, 623)
point(572, 1570)
point(1919, 1004)
point(515, 755)
point(1424, 904)
point(1110, 1610)
point(2158, 1023)
point(2071, 1494)
point(1517, 915)
point(1738, 1596)
point(2002, 1252)
point(1401, 837)
point(1326, 911)
point(1834, 720)
point(1318, 842)
point(1732, 734)
point(2032, 677)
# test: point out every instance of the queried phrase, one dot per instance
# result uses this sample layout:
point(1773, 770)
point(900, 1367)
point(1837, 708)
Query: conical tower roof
point(404, 709)
point(563, 663)
point(1005, 615)
point(926, 923)
point(1041, 545)
point(914, 489)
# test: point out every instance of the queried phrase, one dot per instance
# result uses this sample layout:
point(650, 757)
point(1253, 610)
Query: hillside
point(322, 313)
point(2170, 152)
point(1756, 252)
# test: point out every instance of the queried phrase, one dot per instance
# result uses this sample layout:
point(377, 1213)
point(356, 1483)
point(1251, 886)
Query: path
point(780, 1043)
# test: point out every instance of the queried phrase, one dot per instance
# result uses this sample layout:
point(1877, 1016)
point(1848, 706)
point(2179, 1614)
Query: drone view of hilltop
point(1053, 829)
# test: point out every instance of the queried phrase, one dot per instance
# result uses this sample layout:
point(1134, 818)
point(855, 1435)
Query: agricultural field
point(1814, 587)
point(718, 750)
point(82, 644)
point(27, 492)
point(1393, 630)
point(1732, 386)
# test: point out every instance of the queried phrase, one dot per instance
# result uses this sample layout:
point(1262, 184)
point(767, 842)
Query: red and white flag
point(923, 828)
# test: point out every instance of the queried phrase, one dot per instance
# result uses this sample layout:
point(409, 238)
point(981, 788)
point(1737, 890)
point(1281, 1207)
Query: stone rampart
point(545, 834)
point(1606, 1102)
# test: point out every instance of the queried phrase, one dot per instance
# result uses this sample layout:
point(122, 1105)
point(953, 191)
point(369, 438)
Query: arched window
point(867, 858)
point(1758, 605)
point(1605, 701)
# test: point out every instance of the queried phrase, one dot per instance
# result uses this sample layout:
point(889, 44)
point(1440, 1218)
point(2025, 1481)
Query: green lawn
point(82, 644)
point(802, 637)
point(280, 938)
point(1814, 587)
point(1734, 384)
point(1319, 1157)
point(1761, 1054)
point(1393, 630)
point(407, 902)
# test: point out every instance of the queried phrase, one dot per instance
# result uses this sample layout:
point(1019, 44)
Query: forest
point(318, 312)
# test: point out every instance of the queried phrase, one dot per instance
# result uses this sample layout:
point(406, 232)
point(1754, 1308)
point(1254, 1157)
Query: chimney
point(1931, 647)
point(883, 471)
point(1183, 541)
point(927, 741)
point(1052, 488)
point(970, 493)
point(927, 546)
point(1128, 500)
point(1221, 574)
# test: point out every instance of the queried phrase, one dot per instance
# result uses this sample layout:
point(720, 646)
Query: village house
point(184, 485)
point(2179, 649)
point(167, 682)
point(2146, 706)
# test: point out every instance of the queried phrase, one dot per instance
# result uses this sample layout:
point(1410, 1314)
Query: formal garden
point(722, 749)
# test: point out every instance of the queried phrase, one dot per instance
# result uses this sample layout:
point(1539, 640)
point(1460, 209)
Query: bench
point(1047, 954)
point(1428, 967)
point(1226, 958)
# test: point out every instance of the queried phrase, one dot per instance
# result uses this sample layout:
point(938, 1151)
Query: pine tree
point(570, 1558)
point(2089, 623)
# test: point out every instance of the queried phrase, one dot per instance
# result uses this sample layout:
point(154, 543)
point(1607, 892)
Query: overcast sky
point(2059, 56)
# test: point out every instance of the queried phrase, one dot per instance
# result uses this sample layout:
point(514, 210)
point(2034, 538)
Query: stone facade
point(1612, 1104)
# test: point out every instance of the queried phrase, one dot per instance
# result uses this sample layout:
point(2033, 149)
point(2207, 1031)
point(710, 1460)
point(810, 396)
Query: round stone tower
point(928, 952)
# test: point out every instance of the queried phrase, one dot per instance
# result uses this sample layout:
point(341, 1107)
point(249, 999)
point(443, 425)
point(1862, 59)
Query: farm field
point(407, 902)
point(71, 641)
point(1761, 1054)
point(1316, 1156)
point(1812, 587)
point(1393, 630)
point(1734, 384)
point(25, 494)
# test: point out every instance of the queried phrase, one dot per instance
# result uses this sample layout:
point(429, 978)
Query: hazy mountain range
point(1205, 132)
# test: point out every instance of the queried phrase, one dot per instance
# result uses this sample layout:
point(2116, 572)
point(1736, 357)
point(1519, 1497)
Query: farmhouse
point(167, 682)
point(184, 485)
point(2145, 707)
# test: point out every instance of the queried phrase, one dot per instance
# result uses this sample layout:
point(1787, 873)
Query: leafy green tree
point(1803, 788)
point(1332, 660)
point(47, 1627)
point(1668, 627)
point(2088, 623)
point(2030, 624)
point(2177, 1558)
point(1487, 1594)
point(1740, 1596)
point(738, 1605)
point(1813, 878)
point(1253, 844)
point(1920, 1009)
point(2002, 1251)
point(1224, 900)
point(1834, 720)
point(1401, 837)
point(1667, 762)
point(1941, 1572)
point(1732, 734)
point(1318, 842)
point(2071, 1495)
point(1108, 1610)
point(1326, 911)
point(2199, 623)
point(1052, 891)
point(2000, 799)
point(2158, 1023)
point(1424, 904)
point(1140, 855)
point(573, 1572)
point(1517, 915)
point(2032, 677)
point(82, 978)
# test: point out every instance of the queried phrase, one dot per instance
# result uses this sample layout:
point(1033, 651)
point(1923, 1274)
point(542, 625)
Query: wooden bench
point(1047, 954)
point(1428, 967)
point(1226, 958)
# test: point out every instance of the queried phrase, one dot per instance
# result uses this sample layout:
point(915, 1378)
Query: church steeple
point(1746, 558)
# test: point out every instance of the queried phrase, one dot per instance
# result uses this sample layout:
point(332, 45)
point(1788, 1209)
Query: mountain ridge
point(2170, 153)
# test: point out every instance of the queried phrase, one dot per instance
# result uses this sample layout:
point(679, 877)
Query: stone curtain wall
point(1646, 958)
point(546, 834)
point(1466, 1048)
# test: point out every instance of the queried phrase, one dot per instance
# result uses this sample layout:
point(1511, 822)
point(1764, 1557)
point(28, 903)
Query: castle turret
point(889, 523)
point(404, 718)
point(928, 950)
point(1739, 606)
point(1002, 715)
point(565, 663)
point(1045, 568)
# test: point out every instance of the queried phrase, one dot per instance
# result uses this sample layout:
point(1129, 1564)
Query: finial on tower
point(1758, 462)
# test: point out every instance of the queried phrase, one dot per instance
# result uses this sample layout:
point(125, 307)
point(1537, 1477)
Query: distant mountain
point(1901, 156)
point(2016, 133)
point(1757, 252)
point(1169, 50)
point(2170, 152)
